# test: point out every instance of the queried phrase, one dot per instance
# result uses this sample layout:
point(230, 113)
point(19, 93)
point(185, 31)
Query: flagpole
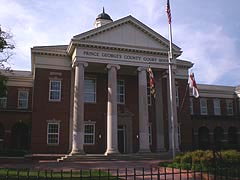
point(170, 64)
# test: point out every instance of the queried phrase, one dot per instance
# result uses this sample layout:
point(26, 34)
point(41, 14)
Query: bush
point(186, 158)
point(200, 159)
point(231, 157)
point(13, 152)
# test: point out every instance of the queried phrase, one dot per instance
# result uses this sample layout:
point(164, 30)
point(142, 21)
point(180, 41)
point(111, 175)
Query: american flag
point(151, 82)
point(168, 11)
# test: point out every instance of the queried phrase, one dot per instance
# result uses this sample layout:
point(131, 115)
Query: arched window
point(232, 136)
point(20, 136)
point(203, 138)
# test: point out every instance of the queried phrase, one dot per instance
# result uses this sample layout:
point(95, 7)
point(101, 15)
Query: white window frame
point(89, 134)
point(150, 133)
point(3, 102)
point(229, 107)
point(217, 107)
point(191, 106)
point(119, 86)
point(55, 133)
point(93, 93)
point(203, 106)
point(23, 99)
point(55, 90)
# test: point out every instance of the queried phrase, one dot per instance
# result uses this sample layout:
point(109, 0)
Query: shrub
point(186, 158)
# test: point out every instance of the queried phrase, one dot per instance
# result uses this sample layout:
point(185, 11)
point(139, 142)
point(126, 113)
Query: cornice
point(122, 48)
point(49, 53)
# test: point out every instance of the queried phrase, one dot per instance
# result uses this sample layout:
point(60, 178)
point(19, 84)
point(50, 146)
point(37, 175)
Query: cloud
point(212, 51)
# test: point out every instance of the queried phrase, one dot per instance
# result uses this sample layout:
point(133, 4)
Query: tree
point(6, 47)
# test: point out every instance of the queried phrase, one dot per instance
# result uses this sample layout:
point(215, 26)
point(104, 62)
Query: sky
point(208, 32)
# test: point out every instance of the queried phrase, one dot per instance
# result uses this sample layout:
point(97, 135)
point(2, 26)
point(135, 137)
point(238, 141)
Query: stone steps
point(116, 157)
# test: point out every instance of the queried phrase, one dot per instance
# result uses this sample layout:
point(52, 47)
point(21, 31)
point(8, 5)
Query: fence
point(159, 173)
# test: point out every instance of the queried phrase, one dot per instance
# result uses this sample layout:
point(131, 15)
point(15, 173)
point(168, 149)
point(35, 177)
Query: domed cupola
point(102, 19)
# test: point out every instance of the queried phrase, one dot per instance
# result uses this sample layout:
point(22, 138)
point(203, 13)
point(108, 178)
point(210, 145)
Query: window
point(191, 106)
point(120, 91)
point(3, 102)
point(55, 90)
point(149, 96)
point(89, 134)
point(177, 97)
point(22, 99)
point(90, 90)
point(203, 106)
point(150, 133)
point(53, 133)
point(229, 104)
point(217, 107)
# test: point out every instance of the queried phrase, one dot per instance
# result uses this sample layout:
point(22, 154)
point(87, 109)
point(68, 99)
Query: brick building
point(93, 96)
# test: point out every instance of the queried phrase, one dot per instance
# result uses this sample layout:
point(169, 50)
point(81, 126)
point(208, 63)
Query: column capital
point(142, 68)
point(77, 63)
point(109, 66)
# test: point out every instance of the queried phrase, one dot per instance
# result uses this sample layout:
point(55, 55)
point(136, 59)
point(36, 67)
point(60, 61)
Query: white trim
point(124, 91)
point(23, 91)
point(50, 90)
point(3, 102)
point(229, 107)
point(203, 108)
point(93, 134)
point(217, 107)
point(95, 90)
point(58, 133)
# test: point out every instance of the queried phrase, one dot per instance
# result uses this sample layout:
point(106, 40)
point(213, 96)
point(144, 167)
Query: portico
point(124, 47)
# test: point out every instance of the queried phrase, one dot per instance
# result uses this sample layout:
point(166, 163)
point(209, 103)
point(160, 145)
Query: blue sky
point(207, 31)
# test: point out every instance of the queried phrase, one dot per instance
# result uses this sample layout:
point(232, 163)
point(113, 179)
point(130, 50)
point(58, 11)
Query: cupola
point(102, 19)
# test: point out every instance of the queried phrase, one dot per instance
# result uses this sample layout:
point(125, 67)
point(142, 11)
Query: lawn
point(49, 174)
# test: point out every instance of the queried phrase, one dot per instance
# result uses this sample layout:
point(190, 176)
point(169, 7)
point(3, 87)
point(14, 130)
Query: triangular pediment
point(129, 32)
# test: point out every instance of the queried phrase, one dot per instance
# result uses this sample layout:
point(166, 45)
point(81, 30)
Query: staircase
point(116, 157)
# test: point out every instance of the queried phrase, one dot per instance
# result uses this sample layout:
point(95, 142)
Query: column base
point(111, 152)
point(77, 152)
point(143, 151)
point(161, 150)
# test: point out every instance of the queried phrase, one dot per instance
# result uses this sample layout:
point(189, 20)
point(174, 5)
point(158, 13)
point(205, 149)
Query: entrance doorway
point(121, 139)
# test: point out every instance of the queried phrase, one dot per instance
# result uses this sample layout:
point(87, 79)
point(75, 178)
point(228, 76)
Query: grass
point(48, 174)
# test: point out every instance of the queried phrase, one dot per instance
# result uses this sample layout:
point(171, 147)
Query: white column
point(112, 123)
point(159, 113)
point(78, 109)
point(175, 123)
point(143, 110)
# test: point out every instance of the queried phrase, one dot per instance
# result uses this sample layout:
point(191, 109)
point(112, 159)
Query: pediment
point(129, 32)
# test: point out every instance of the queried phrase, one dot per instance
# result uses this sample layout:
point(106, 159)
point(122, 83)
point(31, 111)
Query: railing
point(158, 173)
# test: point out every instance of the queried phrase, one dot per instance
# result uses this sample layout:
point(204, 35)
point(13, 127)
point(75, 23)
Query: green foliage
point(231, 157)
point(13, 152)
point(3, 86)
point(200, 160)
point(50, 174)
point(186, 158)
